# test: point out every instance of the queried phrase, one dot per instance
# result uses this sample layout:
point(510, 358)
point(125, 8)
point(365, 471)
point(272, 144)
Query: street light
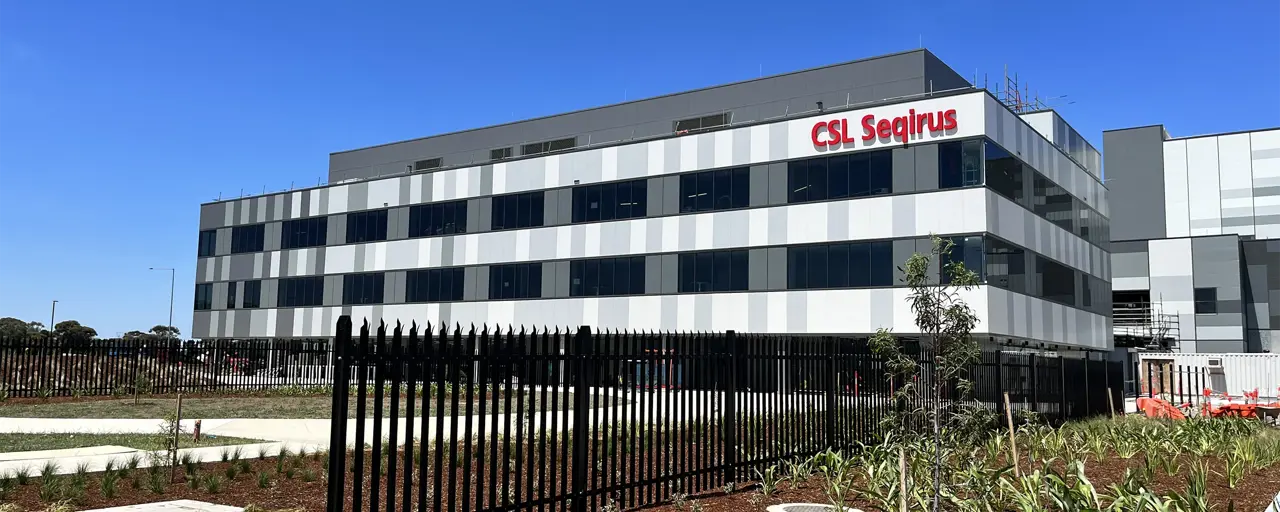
point(52, 312)
point(171, 275)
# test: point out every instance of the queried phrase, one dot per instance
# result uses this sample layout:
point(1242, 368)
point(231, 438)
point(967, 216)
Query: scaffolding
point(1014, 94)
point(1145, 325)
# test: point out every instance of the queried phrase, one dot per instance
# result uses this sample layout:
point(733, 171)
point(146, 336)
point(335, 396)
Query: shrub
point(48, 470)
point(243, 466)
point(156, 483)
point(50, 490)
point(308, 475)
point(212, 484)
point(22, 475)
point(230, 472)
point(263, 480)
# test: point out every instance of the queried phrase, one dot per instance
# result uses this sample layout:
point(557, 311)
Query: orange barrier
point(1158, 408)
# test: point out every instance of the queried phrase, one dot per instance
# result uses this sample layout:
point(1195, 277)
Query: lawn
point(34, 442)
point(314, 406)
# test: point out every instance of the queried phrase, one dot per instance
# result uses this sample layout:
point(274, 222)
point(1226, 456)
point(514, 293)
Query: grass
point(34, 442)
point(267, 407)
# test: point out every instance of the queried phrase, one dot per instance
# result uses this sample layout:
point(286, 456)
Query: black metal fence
point(551, 420)
point(42, 367)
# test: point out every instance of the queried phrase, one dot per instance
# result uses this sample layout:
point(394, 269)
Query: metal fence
point(552, 420)
point(48, 368)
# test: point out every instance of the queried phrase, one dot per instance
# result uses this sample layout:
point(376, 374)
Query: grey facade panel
point(562, 279)
point(270, 287)
point(549, 278)
point(926, 167)
point(757, 269)
point(482, 283)
point(670, 273)
point(652, 274)
point(469, 283)
point(398, 223)
point(478, 212)
point(653, 203)
point(670, 195)
point(565, 206)
point(904, 158)
point(222, 242)
point(333, 290)
point(1132, 264)
point(393, 287)
point(336, 228)
point(777, 183)
point(871, 79)
point(212, 215)
point(219, 295)
point(1134, 163)
point(777, 265)
point(759, 186)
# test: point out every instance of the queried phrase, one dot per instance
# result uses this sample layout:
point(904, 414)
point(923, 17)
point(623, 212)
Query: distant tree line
point(73, 331)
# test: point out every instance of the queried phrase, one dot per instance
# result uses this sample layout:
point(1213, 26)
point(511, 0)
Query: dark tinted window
point(204, 296)
point(363, 288)
point(548, 146)
point(607, 276)
point(438, 219)
point(252, 294)
point(300, 291)
point(840, 265)
point(247, 238)
point(430, 163)
point(303, 232)
point(231, 295)
point(967, 250)
point(1057, 281)
point(699, 123)
point(208, 240)
point(434, 285)
point(1006, 265)
point(522, 281)
point(1052, 202)
point(718, 271)
point(959, 164)
point(715, 190)
point(499, 153)
point(367, 226)
point(837, 177)
point(1206, 301)
point(1005, 174)
point(515, 211)
point(611, 201)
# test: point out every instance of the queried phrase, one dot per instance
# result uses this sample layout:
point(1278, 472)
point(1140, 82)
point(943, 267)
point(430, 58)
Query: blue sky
point(117, 119)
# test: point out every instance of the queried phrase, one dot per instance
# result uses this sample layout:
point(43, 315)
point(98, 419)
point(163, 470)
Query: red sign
point(837, 130)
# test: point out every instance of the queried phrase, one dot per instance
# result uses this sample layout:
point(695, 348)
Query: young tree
point(945, 322)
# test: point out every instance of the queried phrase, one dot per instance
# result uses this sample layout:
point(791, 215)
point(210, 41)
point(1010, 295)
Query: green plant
point(44, 393)
point(236, 453)
point(22, 475)
point(133, 461)
point(243, 466)
point(225, 453)
point(231, 472)
point(4, 394)
point(73, 491)
point(308, 475)
point(263, 480)
point(50, 489)
point(156, 483)
point(768, 480)
point(1194, 497)
point(193, 481)
point(6, 486)
point(280, 465)
point(1236, 469)
point(797, 471)
point(680, 500)
point(837, 475)
point(288, 473)
point(135, 483)
point(212, 484)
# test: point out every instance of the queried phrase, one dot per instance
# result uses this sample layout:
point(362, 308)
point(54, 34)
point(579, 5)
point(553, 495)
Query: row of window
point(960, 164)
point(818, 266)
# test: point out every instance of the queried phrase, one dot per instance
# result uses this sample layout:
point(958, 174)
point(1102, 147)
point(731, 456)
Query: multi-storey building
point(1196, 234)
point(781, 205)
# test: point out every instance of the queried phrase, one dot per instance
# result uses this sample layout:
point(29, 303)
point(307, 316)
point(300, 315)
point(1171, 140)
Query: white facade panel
point(1176, 204)
point(1204, 191)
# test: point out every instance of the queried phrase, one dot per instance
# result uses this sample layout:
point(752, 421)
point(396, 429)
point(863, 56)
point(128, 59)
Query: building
point(781, 204)
point(1196, 235)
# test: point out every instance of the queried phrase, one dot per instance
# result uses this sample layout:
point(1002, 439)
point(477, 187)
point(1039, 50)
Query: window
point(841, 176)
point(523, 281)
point(300, 291)
point(1006, 265)
point(1206, 301)
point(499, 154)
point(840, 265)
point(608, 276)
point(363, 288)
point(300, 233)
point(715, 190)
point(430, 163)
point(247, 238)
point(959, 164)
point(548, 146)
point(611, 201)
point(208, 241)
point(702, 123)
point(718, 271)
point(434, 285)
point(966, 250)
point(252, 294)
point(231, 295)
point(1005, 174)
point(204, 296)
point(1052, 202)
point(366, 226)
point(438, 219)
point(517, 211)
point(1057, 281)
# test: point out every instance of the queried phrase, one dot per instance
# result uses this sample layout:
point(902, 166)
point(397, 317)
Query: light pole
point(171, 275)
point(53, 311)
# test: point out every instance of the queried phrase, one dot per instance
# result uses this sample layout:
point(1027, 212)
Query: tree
point(135, 336)
point(70, 331)
point(12, 328)
point(165, 331)
point(36, 328)
point(945, 323)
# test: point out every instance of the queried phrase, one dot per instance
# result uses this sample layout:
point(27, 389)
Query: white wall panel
point(1170, 257)
point(1236, 178)
point(1176, 206)
point(1204, 191)
point(384, 193)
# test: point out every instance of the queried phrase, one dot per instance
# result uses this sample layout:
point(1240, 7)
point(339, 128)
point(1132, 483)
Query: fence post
point(338, 426)
point(1035, 383)
point(1087, 390)
point(730, 423)
point(1062, 389)
point(582, 347)
point(830, 427)
point(999, 380)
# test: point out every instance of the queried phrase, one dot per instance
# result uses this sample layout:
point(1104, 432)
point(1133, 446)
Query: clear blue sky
point(117, 119)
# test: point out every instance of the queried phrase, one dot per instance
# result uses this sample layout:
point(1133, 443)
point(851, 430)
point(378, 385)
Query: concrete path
point(172, 506)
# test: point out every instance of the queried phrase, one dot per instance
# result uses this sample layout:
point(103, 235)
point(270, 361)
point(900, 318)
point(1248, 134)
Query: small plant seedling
point(230, 472)
point(212, 484)
point(308, 475)
point(22, 475)
point(264, 481)
point(109, 484)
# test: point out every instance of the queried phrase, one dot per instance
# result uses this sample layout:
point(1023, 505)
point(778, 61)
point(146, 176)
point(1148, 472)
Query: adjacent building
point(1196, 235)
point(777, 205)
